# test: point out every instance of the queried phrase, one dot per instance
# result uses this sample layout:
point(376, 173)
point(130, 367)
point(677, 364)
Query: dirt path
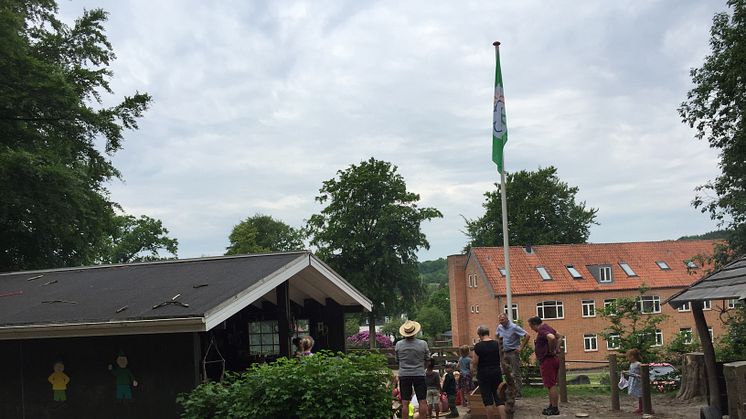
point(600, 407)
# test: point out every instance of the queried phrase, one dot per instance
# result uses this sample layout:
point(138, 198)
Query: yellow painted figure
point(59, 381)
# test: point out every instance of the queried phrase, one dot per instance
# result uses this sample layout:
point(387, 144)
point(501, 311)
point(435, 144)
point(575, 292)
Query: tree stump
point(735, 381)
point(693, 377)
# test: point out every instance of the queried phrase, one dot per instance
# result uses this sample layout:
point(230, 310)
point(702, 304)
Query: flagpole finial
point(496, 43)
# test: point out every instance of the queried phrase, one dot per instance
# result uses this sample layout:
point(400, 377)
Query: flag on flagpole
point(499, 126)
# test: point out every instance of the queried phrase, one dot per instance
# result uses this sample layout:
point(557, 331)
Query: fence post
point(562, 377)
point(647, 404)
point(613, 382)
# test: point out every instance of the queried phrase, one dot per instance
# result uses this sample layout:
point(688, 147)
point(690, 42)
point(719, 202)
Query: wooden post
point(510, 381)
point(735, 381)
point(647, 404)
point(282, 293)
point(372, 329)
point(709, 351)
point(562, 377)
point(614, 380)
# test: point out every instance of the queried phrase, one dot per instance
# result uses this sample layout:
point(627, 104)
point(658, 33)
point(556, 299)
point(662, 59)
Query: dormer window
point(543, 273)
point(574, 272)
point(604, 274)
point(663, 265)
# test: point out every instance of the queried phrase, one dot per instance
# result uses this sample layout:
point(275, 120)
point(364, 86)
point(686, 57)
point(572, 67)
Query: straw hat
point(409, 328)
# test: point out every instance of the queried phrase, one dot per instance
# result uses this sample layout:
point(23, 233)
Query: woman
point(486, 363)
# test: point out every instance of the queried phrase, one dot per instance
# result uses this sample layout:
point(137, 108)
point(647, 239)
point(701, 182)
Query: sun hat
point(409, 328)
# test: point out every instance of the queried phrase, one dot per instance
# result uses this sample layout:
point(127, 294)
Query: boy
point(449, 387)
point(432, 379)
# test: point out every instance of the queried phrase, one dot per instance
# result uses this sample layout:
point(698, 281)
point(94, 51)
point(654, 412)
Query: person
point(449, 388)
point(634, 386)
point(306, 344)
point(457, 376)
point(514, 339)
point(411, 355)
point(59, 381)
point(546, 347)
point(432, 380)
point(465, 382)
point(486, 364)
point(296, 343)
point(124, 377)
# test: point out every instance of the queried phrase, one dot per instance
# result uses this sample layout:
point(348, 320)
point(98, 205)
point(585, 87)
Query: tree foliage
point(732, 345)
point(261, 234)
point(716, 108)
point(55, 209)
point(369, 232)
point(434, 271)
point(137, 239)
point(541, 210)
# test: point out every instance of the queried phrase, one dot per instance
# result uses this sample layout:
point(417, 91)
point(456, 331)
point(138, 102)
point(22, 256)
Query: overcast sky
point(257, 103)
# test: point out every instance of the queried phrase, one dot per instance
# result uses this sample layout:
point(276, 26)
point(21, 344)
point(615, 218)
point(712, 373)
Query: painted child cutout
point(59, 381)
point(124, 378)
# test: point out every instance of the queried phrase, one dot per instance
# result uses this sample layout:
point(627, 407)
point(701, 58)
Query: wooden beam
point(283, 318)
point(709, 351)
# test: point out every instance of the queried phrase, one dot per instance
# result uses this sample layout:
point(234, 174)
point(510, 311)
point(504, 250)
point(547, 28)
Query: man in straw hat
point(412, 355)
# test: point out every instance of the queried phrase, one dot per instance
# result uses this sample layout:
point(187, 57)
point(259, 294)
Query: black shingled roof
point(726, 283)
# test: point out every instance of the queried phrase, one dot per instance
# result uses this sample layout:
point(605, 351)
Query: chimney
point(528, 249)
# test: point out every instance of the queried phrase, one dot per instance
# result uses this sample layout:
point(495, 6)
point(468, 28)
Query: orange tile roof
point(641, 257)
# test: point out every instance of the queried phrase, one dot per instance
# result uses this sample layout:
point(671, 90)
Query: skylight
point(574, 272)
point(627, 269)
point(663, 265)
point(543, 272)
point(691, 264)
point(502, 271)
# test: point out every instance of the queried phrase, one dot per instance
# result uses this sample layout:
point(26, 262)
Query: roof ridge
point(600, 243)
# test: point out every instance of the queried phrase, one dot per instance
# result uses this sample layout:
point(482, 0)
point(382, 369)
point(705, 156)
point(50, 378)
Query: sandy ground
point(600, 407)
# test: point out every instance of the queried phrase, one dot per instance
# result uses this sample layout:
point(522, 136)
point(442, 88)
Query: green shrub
point(325, 385)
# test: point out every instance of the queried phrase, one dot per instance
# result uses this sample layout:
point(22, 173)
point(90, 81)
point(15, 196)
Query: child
point(306, 344)
point(59, 381)
point(432, 379)
point(457, 376)
point(449, 387)
point(634, 387)
point(465, 384)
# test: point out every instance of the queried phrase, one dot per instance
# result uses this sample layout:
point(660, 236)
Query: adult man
point(412, 354)
point(514, 340)
point(546, 347)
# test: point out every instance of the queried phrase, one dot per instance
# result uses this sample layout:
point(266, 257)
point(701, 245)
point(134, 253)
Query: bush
point(360, 340)
point(324, 385)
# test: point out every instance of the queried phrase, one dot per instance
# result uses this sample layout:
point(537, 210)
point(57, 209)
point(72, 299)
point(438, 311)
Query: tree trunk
point(713, 387)
point(735, 381)
point(693, 377)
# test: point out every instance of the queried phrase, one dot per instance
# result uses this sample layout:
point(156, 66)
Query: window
point(731, 303)
point(604, 274)
point(543, 273)
point(574, 272)
point(502, 271)
point(264, 338)
point(476, 308)
point(515, 311)
point(610, 306)
point(472, 280)
point(663, 265)
point(658, 337)
point(550, 310)
point(709, 330)
point(472, 308)
point(627, 269)
point(686, 332)
point(612, 342)
point(707, 305)
point(564, 344)
point(590, 343)
point(589, 308)
point(687, 306)
point(690, 264)
point(649, 304)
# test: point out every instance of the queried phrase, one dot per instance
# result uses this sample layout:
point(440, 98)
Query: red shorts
point(549, 368)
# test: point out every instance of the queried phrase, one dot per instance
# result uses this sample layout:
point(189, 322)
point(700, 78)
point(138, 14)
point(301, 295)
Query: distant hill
point(712, 235)
point(434, 271)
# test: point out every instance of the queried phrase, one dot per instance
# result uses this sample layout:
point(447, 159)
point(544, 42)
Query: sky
point(256, 103)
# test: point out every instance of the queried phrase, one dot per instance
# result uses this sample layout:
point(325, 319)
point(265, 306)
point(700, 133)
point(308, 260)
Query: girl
point(634, 388)
point(465, 384)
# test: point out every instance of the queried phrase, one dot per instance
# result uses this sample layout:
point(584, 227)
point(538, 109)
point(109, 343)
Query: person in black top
point(486, 363)
point(449, 387)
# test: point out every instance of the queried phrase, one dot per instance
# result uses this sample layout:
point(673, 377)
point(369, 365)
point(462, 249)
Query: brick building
point(568, 285)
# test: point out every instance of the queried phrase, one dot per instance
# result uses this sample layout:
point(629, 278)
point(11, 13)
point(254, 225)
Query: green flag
point(499, 126)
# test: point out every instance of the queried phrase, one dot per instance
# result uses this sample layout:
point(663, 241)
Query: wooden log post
point(510, 381)
point(647, 404)
point(735, 382)
point(709, 351)
point(693, 377)
point(562, 377)
point(613, 381)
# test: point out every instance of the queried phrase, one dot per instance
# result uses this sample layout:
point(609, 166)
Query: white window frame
point(472, 308)
point(690, 264)
point(610, 302)
point(515, 310)
point(574, 273)
point(590, 305)
point(688, 335)
point(658, 342)
point(627, 269)
point(544, 273)
point(707, 305)
point(605, 274)
point(655, 300)
point(687, 306)
point(559, 308)
point(590, 342)
point(731, 303)
point(612, 342)
point(563, 345)
point(663, 265)
point(502, 271)
point(712, 333)
point(476, 308)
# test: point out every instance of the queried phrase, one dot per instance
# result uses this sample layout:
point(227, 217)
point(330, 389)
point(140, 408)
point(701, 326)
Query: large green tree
point(133, 239)
point(262, 233)
point(369, 232)
point(716, 108)
point(542, 209)
point(55, 209)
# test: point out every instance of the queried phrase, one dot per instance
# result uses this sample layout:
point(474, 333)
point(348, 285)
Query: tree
point(261, 234)
point(716, 108)
point(369, 232)
point(55, 210)
point(434, 271)
point(137, 239)
point(435, 312)
point(541, 210)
